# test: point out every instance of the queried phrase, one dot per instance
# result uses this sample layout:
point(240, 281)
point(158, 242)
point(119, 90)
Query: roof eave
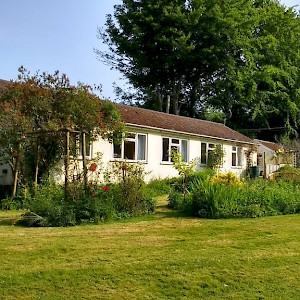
point(188, 133)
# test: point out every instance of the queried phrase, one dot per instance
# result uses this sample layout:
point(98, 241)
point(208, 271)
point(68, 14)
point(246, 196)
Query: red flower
point(93, 167)
point(105, 188)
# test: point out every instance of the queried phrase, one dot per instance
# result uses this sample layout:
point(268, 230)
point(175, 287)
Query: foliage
point(288, 169)
point(53, 205)
point(255, 198)
point(239, 58)
point(226, 179)
point(129, 179)
point(185, 170)
point(215, 157)
point(159, 187)
point(181, 201)
point(47, 105)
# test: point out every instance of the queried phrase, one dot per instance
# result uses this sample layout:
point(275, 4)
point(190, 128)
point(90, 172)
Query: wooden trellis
point(67, 132)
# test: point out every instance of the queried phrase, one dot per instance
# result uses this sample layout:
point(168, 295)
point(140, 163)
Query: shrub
point(133, 198)
point(288, 169)
point(255, 198)
point(50, 205)
point(127, 196)
point(226, 179)
point(159, 187)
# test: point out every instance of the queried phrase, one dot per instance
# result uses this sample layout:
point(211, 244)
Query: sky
point(59, 35)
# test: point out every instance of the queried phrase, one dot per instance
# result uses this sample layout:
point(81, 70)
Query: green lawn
point(159, 257)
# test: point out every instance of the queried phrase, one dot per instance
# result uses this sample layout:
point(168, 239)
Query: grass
point(160, 257)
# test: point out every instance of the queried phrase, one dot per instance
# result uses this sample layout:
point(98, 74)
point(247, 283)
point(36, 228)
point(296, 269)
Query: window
point(76, 145)
point(206, 148)
point(236, 156)
point(171, 144)
point(133, 147)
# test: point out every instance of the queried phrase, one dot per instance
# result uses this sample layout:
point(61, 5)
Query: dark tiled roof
point(270, 145)
point(274, 146)
point(153, 119)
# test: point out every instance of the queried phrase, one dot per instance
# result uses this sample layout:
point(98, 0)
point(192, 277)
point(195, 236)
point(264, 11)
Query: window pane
point(233, 159)
point(175, 141)
point(211, 146)
point(184, 150)
point(239, 156)
point(203, 153)
point(165, 149)
point(129, 150)
point(174, 149)
point(141, 147)
point(117, 151)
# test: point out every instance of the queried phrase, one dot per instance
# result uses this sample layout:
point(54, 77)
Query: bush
point(289, 169)
point(128, 196)
point(215, 199)
point(49, 207)
point(177, 185)
point(133, 197)
point(226, 179)
point(159, 187)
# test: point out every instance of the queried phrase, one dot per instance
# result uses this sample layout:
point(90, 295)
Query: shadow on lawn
point(162, 210)
point(8, 218)
point(6, 221)
point(166, 212)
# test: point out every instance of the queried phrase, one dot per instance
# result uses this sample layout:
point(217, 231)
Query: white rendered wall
point(159, 169)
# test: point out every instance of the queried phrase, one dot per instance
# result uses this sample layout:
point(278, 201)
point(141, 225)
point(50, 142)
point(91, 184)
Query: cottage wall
point(162, 169)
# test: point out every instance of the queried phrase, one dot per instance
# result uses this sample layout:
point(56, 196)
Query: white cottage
point(152, 135)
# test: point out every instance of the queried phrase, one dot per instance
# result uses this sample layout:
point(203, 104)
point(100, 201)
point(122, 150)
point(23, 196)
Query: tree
point(264, 90)
point(240, 57)
point(173, 47)
point(37, 110)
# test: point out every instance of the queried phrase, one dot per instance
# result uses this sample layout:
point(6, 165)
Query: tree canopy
point(240, 57)
point(36, 110)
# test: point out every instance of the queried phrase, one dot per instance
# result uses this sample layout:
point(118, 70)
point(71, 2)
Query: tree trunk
point(85, 180)
point(67, 162)
point(16, 171)
point(36, 169)
point(192, 101)
point(160, 98)
point(176, 88)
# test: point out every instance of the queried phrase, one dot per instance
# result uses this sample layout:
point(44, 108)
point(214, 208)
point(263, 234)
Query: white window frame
point(209, 147)
point(172, 145)
point(238, 153)
point(136, 145)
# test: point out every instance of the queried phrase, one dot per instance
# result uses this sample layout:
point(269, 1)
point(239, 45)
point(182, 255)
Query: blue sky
point(58, 35)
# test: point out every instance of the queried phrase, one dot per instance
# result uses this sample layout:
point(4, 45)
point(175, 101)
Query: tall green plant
point(216, 157)
point(185, 170)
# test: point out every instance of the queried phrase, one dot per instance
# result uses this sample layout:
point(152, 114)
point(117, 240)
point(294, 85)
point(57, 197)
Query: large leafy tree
point(238, 56)
point(35, 112)
point(264, 89)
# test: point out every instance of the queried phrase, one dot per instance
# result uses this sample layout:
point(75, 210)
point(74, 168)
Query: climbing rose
point(93, 167)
